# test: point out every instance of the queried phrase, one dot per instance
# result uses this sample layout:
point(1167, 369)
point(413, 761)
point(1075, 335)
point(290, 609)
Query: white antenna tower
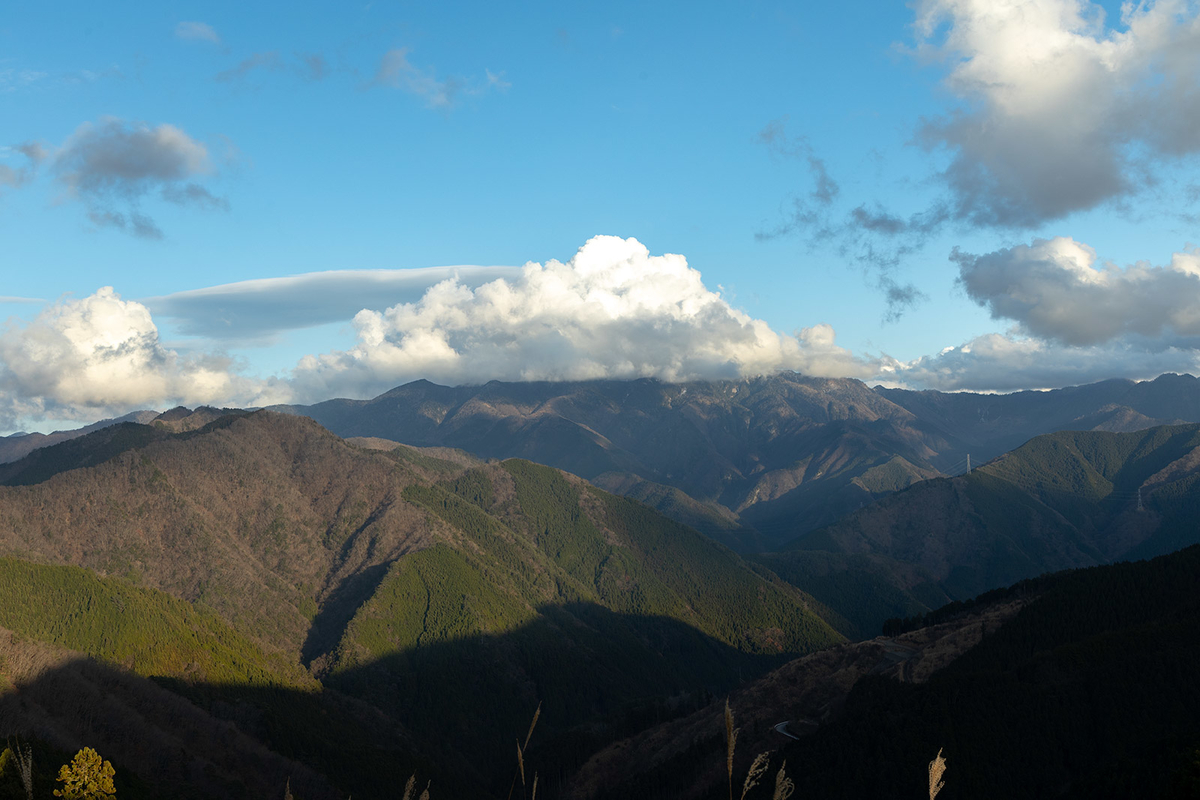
point(968, 462)
point(1140, 508)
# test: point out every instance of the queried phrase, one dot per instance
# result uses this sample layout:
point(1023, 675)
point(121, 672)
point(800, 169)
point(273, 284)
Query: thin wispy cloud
point(397, 72)
point(873, 239)
point(314, 66)
point(197, 31)
point(268, 61)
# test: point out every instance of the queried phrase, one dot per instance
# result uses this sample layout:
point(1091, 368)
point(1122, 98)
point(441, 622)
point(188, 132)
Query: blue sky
point(969, 194)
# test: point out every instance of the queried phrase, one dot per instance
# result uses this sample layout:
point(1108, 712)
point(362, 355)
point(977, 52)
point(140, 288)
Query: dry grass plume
point(937, 768)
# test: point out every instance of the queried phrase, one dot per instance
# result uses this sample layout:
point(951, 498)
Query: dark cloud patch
point(775, 138)
point(14, 177)
point(872, 238)
point(878, 221)
point(1058, 290)
point(900, 297)
point(139, 225)
point(196, 195)
point(112, 165)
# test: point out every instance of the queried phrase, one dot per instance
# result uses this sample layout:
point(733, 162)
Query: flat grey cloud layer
point(1056, 290)
point(262, 308)
point(1004, 363)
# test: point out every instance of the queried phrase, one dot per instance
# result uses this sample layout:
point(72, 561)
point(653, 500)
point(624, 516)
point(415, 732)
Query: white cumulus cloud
point(98, 355)
point(612, 311)
point(1063, 111)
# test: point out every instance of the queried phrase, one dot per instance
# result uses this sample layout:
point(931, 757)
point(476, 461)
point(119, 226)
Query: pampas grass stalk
point(25, 767)
point(521, 756)
point(408, 787)
point(784, 786)
point(731, 734)
point(937, 768)
point(536, 713)
point(756, 771)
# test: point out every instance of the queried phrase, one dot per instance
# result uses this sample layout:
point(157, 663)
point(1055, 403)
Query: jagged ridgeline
point(433, 600)
point(1062, 500)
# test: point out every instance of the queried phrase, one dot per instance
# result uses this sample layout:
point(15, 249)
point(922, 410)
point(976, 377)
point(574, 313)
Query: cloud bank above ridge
point(612, 311)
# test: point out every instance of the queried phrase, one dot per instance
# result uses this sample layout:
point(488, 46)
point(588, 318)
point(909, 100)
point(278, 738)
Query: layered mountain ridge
point(1062, 500)
point(771, 458)
point(383, 570)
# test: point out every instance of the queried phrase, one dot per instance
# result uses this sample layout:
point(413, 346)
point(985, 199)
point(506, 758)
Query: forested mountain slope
point(773, 455)
point(447, 598)
point(1079, 684)
point(1063, 500)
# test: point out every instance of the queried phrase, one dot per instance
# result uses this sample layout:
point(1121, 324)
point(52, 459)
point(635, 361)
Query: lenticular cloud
point(612, 311)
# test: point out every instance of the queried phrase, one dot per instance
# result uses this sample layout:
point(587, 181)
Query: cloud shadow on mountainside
point(447, 711)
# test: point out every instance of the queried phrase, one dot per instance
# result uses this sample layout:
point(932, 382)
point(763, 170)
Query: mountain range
point(226, 601)
point(752, 463)
point(1062, 500)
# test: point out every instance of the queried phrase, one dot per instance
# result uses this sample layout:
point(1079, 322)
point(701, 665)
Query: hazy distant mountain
point(20, 445)
point(771, 457)
point(444, 597)
point(987, 425)
point(1062, 500)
